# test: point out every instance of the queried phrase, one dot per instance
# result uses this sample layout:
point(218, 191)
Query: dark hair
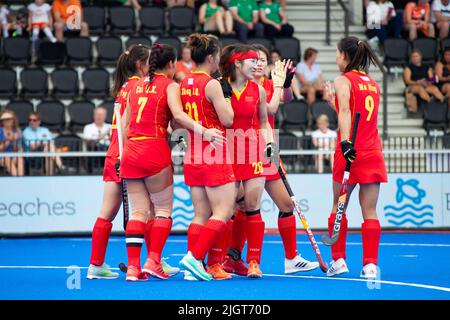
point(446, 49)
point(229, 70)
point(161, 55)
point(126, 65)
point(358, 53)
point(260, 47)
point(202, 45)
point(309, 53)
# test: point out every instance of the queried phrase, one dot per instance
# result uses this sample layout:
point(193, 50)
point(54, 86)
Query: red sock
point(135, 237)
point(338, 249)
point(288, 232)
point(194, 231)
point(160, 232)
point(255, 236)
point(211, 232)
point(218, 250)
point(148, 233)
point(238, 234)
point(100, 237)
point(371, 232)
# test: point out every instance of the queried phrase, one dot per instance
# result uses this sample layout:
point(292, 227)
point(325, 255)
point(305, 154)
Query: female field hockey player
point(274, 186)
point(356, 91)
point(207, 168)
point(131, 66)
point(147, 164)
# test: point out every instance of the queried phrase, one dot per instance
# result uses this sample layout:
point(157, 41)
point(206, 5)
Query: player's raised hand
point(290, 72)
point(278, 74)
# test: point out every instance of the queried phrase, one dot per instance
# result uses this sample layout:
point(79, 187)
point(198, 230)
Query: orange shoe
point(237, 267)
point(253, 270)
point(216, 270)
point(155, 269)
point(135, 274)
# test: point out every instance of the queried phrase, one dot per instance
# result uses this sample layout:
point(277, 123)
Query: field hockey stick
point(302, 217)
point(123, 183)
point(342, 201)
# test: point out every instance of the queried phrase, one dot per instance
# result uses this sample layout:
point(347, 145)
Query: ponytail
point(201, 46)
point(161, 55)
point(358, 53)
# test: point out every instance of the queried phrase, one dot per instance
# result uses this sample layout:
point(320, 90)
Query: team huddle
point(227, 107)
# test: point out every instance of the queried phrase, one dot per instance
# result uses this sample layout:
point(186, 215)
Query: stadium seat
point(109, 49)
point(289, 48)
point(17, 51)
point(429, 49)
point(226, 41)
point(49, 53)
point(444, 44)
point(65, 83)
point(122, 20)
point(288, 141)
point(81, 114)
point(396, 52)
point(79, 51)
point(8, 83)
point(263, 41)
point(22, 109)
point(95, 17)
point(435, 116)
point(295, 115)
point(109, 106)
point(181, 20)
point(152, 20)
point(96, 83)
point(322, 107)
point(70, 142)
point(173, 41)
point(34, 83)
point(52, 115)
point(146, 41)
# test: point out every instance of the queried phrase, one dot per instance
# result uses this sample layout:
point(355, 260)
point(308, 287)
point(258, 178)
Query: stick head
point(123, 267)
point(330, 241)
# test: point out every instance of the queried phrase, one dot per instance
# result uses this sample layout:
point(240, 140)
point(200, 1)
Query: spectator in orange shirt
point(68, 16)
point(185, 65)
point(417, 17)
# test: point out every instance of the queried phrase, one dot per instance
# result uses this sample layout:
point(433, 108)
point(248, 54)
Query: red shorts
point(271, 171)
point(39, 25)
point(109, 170)
point(368, 167)
point(144, 158)
point(208, 175)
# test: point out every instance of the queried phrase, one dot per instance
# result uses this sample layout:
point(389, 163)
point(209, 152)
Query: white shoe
point(101, 272)
point(337, 267)
point(189, 277)
point(369, 271)
point(171, 271)
point(299, 264)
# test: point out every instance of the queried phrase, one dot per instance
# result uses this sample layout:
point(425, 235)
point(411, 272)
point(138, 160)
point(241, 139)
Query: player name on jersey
point(367, 87)
point(190, 92)
point(146, 89)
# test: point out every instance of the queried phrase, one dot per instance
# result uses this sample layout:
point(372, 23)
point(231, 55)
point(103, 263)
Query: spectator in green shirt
point(246, 17)
point(274, 19)
point(214, 17)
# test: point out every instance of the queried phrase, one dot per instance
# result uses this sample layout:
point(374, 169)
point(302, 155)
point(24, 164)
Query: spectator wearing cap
point(246, 19)
point(11, 141)
point(68, 16)
point(442, 71)
point(416, 17)
point(275, 20)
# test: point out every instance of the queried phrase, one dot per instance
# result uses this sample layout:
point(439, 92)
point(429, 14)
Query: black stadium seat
point(34, 83)
point(65, 83)
point(289, 48)
point(295, 115)
point(8, 83)
point(146, 41)
point(109, 106)
point(109, 49)
point(81, 114)
point(288, 141)
point(79, 51)
point(263, 41)
point(396, 52)
point(95, 17)
point(445, 43)
point(173, 41)
point(96, 83)
point(181, 20)
point(22, 109)
point(52, 115)
point(435, 116)
point(322, 107)
point(17, 51)
point(225, 41)
point(122, 20)
point(152, 20)
point(429, 49)
point(51, 53)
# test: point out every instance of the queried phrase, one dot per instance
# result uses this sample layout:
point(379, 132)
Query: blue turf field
point(413, 266)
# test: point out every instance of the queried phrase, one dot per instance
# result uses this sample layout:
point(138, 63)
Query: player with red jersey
point(356, 91)
point(207, 167)
point(146, 163)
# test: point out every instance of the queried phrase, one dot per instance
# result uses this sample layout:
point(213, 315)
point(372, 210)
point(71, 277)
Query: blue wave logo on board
point(183, 209)
point(414, 213)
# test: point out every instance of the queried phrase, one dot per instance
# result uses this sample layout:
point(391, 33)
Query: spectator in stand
point(68, 15)
point(309, 75)
point(185, 65)
point(391, 24)
point(441, 16)
point(246, 17)
point(419, 78)
point(4, 25)
point(275, 20)
point(172, 3)
point(97, 134)
point(323, 139)
point(40, 18)
point(416, 17)
point(11, 142)
point(213, 16)
point(443, 72)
